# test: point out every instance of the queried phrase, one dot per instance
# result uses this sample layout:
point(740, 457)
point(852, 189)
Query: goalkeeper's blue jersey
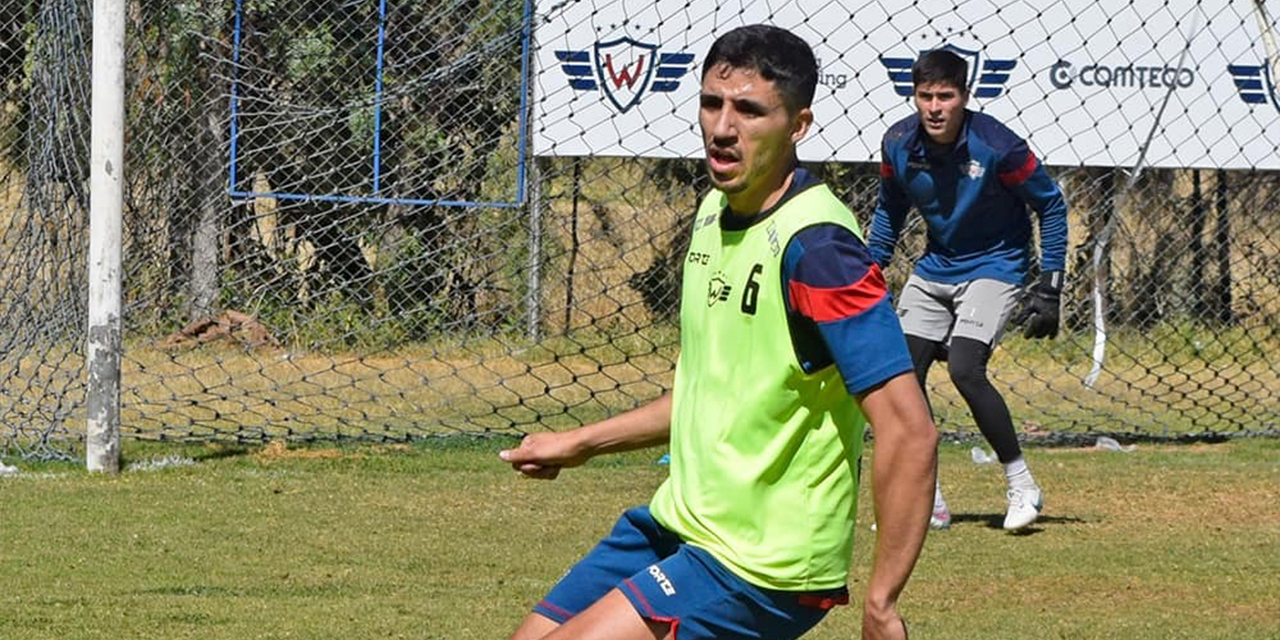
point(973, 198)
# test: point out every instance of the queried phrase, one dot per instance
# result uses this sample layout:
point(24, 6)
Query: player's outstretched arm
point(903, 471)
point(542, 455)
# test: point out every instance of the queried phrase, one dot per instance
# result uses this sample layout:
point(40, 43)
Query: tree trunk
point(1102, 208)
point(1199, 253)
point(208, 229)
point(1222, 248)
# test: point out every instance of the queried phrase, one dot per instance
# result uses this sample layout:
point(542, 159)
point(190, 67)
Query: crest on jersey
point(717, 289)
point(974, 170)
point(625, 70)
point(1255, 84)
point(987, 76)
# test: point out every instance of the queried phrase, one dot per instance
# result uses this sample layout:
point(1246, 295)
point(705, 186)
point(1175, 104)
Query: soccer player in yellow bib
point(788, 346)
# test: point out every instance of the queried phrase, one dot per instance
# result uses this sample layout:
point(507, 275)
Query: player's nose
point(724, 126)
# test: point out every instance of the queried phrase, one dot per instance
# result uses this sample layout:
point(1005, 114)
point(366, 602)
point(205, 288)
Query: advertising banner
point(1084, 83)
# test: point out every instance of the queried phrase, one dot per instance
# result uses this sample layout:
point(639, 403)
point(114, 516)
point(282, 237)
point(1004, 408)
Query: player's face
point(941, 108)
point(748, 135)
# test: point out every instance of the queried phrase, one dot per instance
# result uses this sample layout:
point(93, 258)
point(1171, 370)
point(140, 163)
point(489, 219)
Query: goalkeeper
point(971, 179)
point(787, 338)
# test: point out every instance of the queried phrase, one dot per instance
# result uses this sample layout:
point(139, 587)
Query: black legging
point(967, 363)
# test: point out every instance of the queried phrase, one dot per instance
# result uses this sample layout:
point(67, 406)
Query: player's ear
point(800, 123)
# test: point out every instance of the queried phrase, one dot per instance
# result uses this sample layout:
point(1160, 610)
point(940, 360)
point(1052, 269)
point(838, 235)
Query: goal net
point(392, 220)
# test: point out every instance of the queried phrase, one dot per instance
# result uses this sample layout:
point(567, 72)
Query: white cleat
point(1024, 507)
point(940, 519)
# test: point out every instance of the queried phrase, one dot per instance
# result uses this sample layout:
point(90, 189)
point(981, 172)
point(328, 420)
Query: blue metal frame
point(377, 99)
point(235, 95)
point(521, 150)
point(523, 142)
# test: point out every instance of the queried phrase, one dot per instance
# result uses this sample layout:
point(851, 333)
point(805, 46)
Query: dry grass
point(508, 386)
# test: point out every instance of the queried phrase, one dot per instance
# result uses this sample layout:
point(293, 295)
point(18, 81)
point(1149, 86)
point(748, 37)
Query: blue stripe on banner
point(663, 87)
point(999, 65)
point(897, 63)
point(675, 58)
point(993, 78)
point(582, 84)
point(1254, 98)
point(988, 92)
point(578, 70)
point(671, 72)
point(1249, 84)
point(573, 56)
point(900, 76)
point(903, 89)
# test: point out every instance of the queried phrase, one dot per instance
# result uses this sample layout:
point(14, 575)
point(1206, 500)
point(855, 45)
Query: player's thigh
point(925, 309)
point(698, 598)
point(983, 308)
point(612, 618)
point(635, 542)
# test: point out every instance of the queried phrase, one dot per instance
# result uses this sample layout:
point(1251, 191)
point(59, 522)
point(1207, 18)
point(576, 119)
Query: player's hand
point(1039, 313)
point(882, 623)
point(542, 455)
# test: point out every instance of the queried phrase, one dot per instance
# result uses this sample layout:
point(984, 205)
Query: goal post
point(106, 209)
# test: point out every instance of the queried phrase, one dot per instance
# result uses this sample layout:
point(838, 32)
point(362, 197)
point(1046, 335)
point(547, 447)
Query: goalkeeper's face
point(749, 136)
point(941, 106)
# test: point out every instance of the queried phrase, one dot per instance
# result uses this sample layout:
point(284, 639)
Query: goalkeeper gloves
point(1039, 313)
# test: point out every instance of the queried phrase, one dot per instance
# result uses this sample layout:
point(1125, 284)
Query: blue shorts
point(669, 581)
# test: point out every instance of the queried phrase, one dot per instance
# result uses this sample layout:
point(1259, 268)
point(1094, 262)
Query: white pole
point(1100, 272)
point(1268, 41)
point(106, 203)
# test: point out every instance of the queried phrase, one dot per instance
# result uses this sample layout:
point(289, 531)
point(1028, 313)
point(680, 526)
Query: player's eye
point(751, 109)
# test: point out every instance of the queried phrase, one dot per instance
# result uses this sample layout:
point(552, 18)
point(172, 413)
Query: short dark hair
point(778, 55)
point(941, 65)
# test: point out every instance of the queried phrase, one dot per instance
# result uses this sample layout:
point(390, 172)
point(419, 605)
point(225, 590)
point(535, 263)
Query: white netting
point(340, 223)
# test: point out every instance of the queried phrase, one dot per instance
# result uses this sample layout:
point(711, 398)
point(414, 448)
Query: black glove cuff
point(1052, 281)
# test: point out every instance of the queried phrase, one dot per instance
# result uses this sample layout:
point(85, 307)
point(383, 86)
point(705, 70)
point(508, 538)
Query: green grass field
point(442, 541)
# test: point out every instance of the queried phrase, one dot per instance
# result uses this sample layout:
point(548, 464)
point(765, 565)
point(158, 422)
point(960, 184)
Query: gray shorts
point(977, 309)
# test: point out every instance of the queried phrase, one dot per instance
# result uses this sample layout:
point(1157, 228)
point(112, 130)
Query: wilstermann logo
point(1255, 84)
point(988, 84)
point(1064, 73)
point(624, 69)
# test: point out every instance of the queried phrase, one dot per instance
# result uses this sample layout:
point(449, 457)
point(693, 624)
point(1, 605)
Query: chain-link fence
point(336, 227)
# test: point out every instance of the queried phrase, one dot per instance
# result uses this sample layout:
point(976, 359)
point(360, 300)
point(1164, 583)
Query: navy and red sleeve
point(831, 279)
point(1021, 172)
point(892, 205)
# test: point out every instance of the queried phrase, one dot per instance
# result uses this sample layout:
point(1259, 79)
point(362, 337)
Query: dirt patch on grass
point(278, 450)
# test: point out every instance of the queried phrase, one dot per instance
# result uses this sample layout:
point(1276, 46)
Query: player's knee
point(923, 352)
point(968, 366)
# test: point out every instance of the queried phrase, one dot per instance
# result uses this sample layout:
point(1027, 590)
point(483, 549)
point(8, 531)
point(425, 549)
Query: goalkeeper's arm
point(892, 205)
point(1040, 308)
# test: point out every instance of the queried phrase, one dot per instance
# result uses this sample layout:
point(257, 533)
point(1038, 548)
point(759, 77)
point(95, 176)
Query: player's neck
point(937, 149)
point(750, 202)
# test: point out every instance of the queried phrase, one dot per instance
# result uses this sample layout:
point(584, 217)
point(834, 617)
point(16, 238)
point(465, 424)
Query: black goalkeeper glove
point(1039, 313)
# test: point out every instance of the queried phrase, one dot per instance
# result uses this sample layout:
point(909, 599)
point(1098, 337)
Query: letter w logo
point(625, 76)
point(623, 72)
